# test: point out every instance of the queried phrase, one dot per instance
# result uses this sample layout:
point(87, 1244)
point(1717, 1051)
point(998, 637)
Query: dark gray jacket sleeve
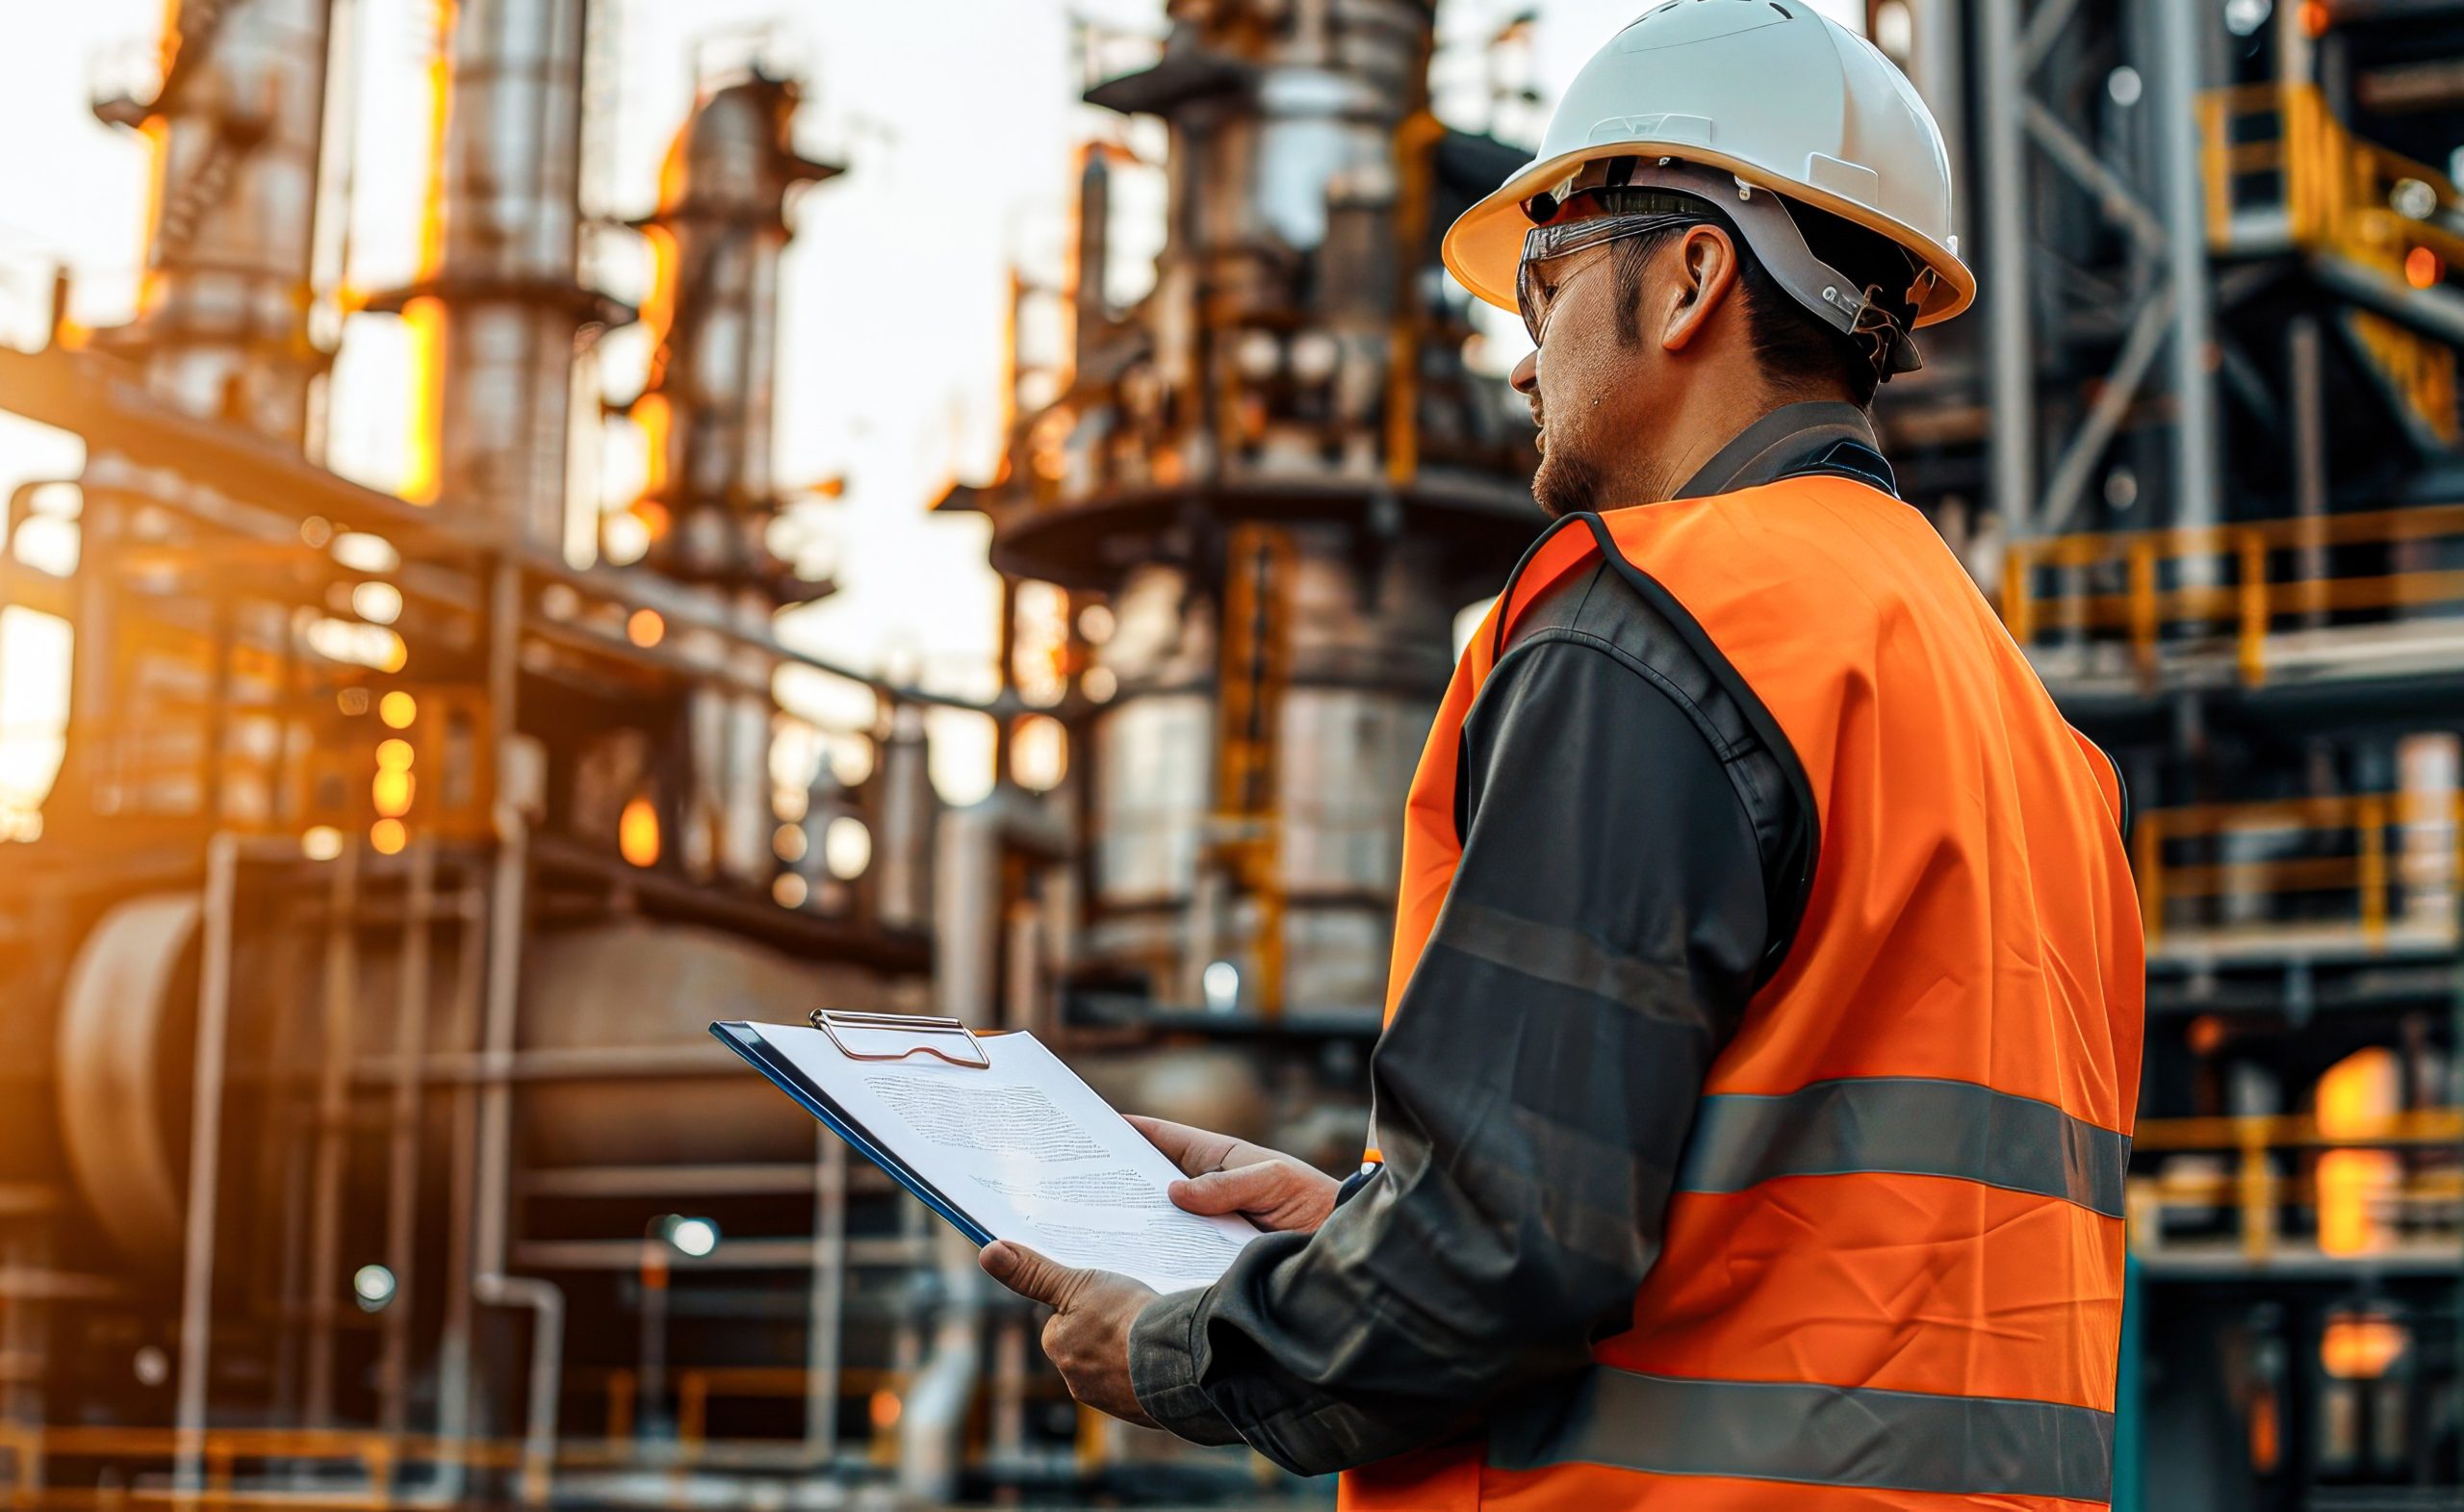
point(1533, 1092)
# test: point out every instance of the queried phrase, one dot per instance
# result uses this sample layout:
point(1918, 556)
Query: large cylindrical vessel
point(1365, 662)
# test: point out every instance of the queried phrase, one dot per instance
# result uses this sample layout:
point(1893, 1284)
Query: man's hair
point(1800, 352)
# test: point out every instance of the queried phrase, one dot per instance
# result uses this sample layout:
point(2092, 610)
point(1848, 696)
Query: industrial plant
point(362, 1141)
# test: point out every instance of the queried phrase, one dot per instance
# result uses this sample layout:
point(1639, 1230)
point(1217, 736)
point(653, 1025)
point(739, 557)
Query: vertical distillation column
point(1279, 276)
point(706, 414)
point(501, 306)
point(1269, 701)
point(222, 313)
point(1322, 633)
point(1240, 463)
point(222, 333)
point(508, 274)
point(709, 407)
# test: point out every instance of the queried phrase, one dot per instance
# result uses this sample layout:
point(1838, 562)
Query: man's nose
point(1525, 375)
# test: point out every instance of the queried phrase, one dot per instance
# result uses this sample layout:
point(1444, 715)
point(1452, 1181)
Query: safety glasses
point(1546, 243)
point(1608, 198)
point(1587, 195)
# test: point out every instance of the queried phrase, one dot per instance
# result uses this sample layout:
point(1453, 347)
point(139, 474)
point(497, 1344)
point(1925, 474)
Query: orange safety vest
point(1891, 1274)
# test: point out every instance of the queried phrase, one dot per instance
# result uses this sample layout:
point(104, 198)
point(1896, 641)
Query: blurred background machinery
point(396, 862)
point(358, 1136)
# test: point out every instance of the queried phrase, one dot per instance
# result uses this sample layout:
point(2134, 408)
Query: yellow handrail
point(2259, 592)
point(2336, 188)
point(2365, 872)
point(2254, 1190)
point(2339, 197)
point(2423, 1126)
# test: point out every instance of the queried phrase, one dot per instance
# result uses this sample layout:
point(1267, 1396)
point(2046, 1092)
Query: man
point(1763, 1040)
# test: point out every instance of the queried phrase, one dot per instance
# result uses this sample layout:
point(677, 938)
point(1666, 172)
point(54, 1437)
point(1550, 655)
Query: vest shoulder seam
point(1765, 726)
point(1727, 753)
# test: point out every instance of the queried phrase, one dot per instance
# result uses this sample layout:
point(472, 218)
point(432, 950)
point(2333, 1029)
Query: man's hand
point(1088, 1335)
point(1270, 1189)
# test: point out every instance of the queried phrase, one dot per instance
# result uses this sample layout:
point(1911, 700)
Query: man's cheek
point(1568, 395)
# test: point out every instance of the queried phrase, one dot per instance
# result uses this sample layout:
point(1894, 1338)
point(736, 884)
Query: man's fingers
point(1029, 1274)
point(1246, 1188)
point(1193, 1150)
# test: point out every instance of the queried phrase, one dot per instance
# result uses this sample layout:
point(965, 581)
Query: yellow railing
point(2255, 1191)
point(2279, 146)
point(2266, 579)
point(27, 1452)
point(2338, 192)
point(2365, 872)
point(28, 1447)
point(2339, 197)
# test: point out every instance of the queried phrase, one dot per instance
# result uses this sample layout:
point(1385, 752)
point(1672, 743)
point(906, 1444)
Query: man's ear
point(1706, 270)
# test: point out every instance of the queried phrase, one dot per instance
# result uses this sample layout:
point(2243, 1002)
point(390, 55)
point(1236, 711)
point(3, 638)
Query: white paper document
point(1023, 1149)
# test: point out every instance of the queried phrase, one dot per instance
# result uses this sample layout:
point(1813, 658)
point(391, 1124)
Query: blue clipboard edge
point(747, 1042)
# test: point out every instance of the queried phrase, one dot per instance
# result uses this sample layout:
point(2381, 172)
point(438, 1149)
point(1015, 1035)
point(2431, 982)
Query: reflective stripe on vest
point(1823, 1436)
point(1890, 1268)
point(1908, 1126)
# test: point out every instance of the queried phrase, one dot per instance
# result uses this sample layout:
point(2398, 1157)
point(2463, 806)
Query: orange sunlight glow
point(2355, 1186)
point(33, 716)
point(440, 87)
point(653, 416)
point(391, 790)
point(423, 322)
point(2360, 1347)
point(157, 132)
point(637, 833)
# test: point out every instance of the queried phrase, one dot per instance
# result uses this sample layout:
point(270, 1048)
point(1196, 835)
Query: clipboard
point(945, 1038)
point(997, 1135)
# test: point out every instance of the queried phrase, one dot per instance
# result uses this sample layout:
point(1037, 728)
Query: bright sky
point(956, 118)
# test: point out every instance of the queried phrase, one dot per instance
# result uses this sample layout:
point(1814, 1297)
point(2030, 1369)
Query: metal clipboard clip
point(831, 1020)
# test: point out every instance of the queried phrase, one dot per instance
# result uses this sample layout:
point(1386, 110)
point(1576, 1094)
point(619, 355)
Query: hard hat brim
point(1485, 243)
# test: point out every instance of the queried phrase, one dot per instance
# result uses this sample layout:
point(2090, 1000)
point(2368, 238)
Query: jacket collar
point(1817, 436)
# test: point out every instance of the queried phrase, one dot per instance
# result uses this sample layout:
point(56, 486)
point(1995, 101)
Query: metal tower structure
point(237, 117)
point(1257, 499)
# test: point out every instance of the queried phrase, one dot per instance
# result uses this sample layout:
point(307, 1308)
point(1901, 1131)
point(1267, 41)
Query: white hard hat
point(1771, 94)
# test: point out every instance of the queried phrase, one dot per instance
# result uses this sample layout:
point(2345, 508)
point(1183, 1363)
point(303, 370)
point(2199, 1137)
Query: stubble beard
point(1565, 484)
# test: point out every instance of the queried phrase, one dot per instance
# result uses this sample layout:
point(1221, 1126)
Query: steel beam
point(2180, 49)
point(2087, 447)
point(2435, 311)
point(205, 1165)
point(1940, 73)
point(2010, 371)
point(2036, 39)
point(2305, 376)
point(2115, 197)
